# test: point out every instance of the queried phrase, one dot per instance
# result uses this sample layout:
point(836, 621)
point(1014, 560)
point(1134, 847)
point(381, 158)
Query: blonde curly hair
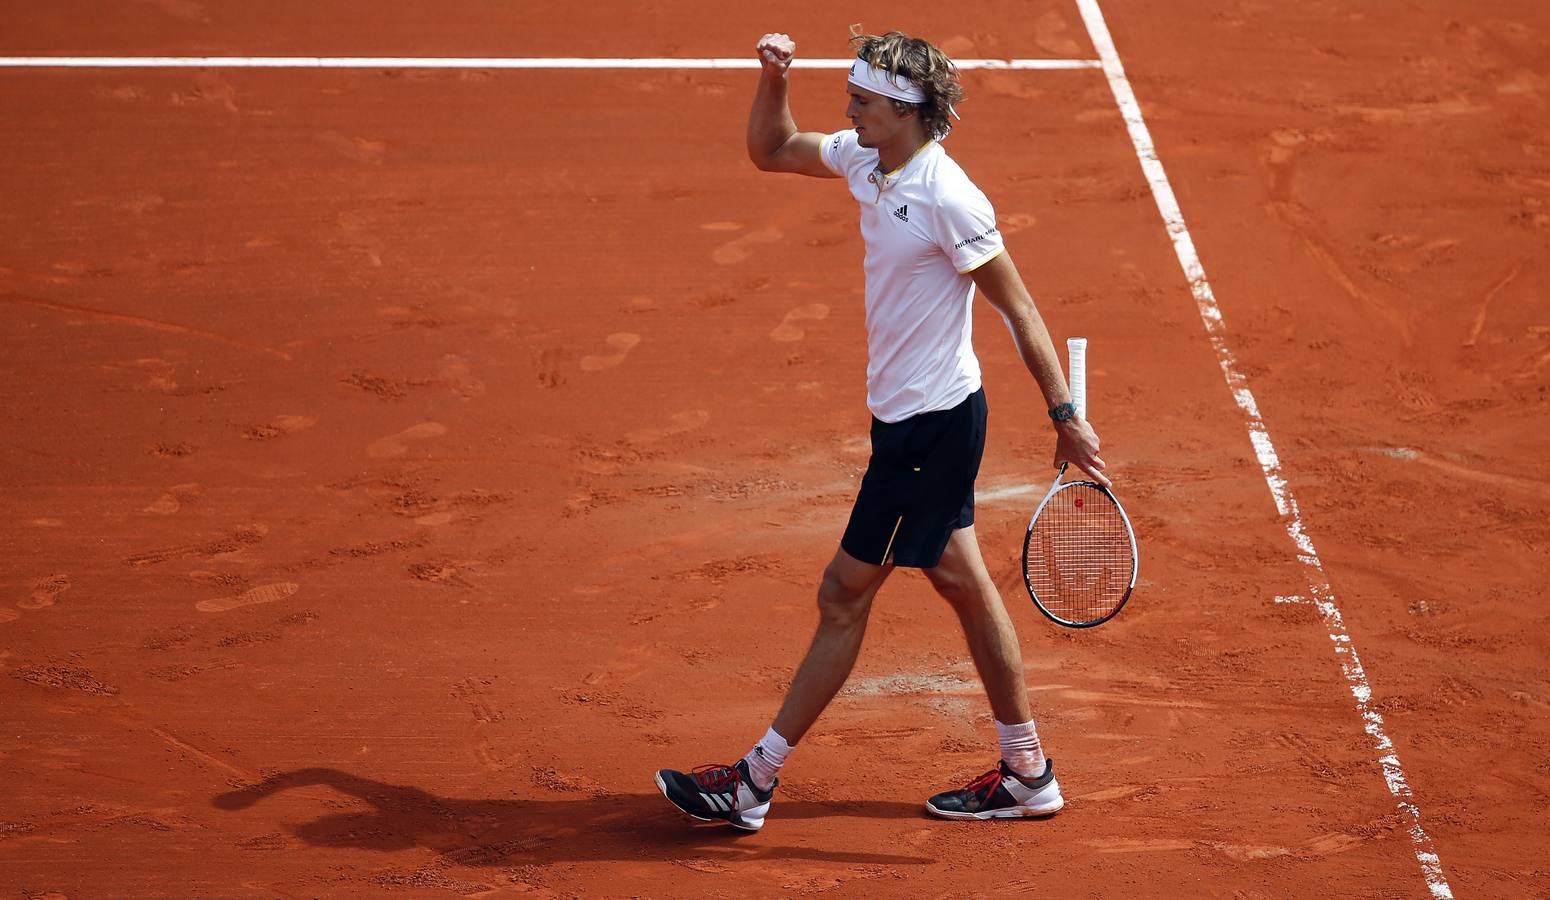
point(921, 62)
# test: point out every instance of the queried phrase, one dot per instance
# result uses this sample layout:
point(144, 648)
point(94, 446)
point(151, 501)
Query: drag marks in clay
point(159, 374)
point(208, 89)
point(68, 677)
point(1374, 301)
point(122, 93)
point(181, 672)
point(622, 343)
point(722, 571)
point(374, 549)
point(789, 328)
point(819, 879)
point(738, 250)
point(1157, 845)
point(396, 445)
point(264, 593)
point(141, 322)
point(357, 148)
point(678, 423)
point(173, 499)
point(232, 543)
point(381, 387)
point(281, 426)
point(274, 632)
point(44, 592)
point(173, 450)
point(1323, 845)
point(427, 509)
point(443, 571)
point(475, 692)
point(1319, 764)
point(458, 375)
point(183, 639)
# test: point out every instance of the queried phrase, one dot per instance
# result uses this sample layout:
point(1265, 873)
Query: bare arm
point(1076, 442)
point(774, 144)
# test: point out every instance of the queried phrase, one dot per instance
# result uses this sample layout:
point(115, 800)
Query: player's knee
point(960, 589)
point(842, 604)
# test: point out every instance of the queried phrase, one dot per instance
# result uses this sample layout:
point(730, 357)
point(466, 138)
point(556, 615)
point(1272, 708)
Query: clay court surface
point(401, 465)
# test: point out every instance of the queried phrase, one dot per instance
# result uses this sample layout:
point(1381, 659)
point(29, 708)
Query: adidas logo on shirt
point(902, 213)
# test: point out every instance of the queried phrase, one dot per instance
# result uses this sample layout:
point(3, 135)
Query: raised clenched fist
point(776, 51)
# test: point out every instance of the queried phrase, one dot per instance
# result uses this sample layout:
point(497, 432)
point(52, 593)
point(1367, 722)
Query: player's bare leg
point(844, 602)
point(740, 794)
point(1023, 784)
point(962, 580)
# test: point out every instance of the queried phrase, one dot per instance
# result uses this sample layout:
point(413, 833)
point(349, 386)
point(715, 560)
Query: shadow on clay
point(479, 833)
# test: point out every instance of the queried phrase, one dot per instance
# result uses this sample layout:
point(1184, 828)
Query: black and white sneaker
point(718, 794)
point(1001, 794)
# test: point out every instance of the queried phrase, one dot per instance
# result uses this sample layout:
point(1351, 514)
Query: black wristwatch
point(1062, 413)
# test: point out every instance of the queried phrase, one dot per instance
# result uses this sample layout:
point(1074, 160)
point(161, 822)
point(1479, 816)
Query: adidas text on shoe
point(718, 794)
point(1001, 794)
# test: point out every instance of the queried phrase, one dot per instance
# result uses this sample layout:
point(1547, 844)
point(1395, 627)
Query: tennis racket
point(1079, 558)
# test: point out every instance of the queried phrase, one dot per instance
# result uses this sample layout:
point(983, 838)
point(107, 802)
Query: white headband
point(880, 81)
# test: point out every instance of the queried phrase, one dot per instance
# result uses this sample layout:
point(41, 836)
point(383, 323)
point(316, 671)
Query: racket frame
point(1130, 532)
point(1076, 357)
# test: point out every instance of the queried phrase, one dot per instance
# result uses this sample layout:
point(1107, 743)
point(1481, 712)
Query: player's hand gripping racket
point(1079, 558)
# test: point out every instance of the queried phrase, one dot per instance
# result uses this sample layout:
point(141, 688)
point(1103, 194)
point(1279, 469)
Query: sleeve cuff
point(980, 262)
point(823, 157)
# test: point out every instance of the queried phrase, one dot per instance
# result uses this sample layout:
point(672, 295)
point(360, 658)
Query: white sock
point(766, 758)
point(1020, 748)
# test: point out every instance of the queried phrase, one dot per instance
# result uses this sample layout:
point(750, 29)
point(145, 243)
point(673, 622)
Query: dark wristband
point(1062, 413)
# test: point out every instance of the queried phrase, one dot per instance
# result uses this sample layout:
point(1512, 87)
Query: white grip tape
point(1076, 354)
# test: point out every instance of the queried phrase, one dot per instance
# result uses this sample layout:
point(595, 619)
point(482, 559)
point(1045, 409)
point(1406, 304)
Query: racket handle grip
point(1076, 355)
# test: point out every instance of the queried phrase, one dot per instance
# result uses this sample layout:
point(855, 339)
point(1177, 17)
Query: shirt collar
point(885, 180)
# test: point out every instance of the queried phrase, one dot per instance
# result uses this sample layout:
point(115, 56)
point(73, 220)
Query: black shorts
point(919, 486)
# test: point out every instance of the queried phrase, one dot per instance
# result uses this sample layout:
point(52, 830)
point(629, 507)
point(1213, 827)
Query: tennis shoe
point(1001, 794)
point(718, 794)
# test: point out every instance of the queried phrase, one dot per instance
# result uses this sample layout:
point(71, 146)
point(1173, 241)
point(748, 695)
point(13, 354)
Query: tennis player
point(931, 240)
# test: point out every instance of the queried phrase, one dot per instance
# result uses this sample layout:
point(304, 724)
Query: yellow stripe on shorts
point(887, 551)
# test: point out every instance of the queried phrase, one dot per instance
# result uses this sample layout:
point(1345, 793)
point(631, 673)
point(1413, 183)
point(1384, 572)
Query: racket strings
point(1080, 558)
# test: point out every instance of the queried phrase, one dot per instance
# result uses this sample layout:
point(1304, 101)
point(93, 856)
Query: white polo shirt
point(926, 227)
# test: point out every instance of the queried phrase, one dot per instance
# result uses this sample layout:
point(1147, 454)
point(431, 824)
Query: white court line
point(1286, 504)
point(493, 62)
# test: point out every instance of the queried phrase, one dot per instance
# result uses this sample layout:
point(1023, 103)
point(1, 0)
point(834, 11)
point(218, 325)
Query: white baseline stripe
point(452, 62)
point(1259, 436)
point(995, 494)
